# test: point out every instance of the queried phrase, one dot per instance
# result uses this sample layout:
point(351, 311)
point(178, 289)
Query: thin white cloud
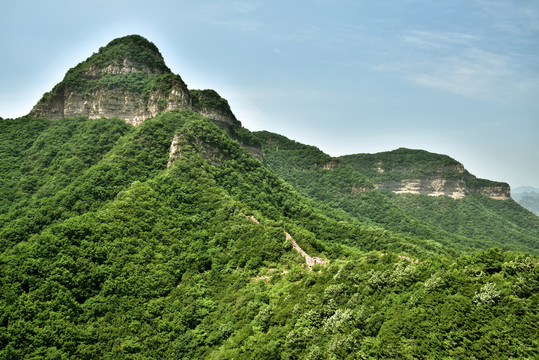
point(439, 40)
point(512, 16)
point(458, 62)
point(473, 73)
point(236, 15)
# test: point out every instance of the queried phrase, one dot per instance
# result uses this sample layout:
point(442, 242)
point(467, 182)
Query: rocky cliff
point(420, 172)
point(128, 79)
point(209, 104)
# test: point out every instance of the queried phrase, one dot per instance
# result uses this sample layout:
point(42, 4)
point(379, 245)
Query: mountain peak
point(127, 79)
point(136, 50)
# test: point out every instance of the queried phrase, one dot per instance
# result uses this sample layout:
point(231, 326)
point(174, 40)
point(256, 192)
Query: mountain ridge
point(352, 188)
point(128, 79)
point(171, 239)
point(409, 171)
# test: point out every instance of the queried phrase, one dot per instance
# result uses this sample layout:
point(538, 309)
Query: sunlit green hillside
point(189, 237)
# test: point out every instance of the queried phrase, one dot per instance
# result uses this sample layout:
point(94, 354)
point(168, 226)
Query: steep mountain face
point(406, 171)
point(127, 79)
point(212, 106)
point(170, 240)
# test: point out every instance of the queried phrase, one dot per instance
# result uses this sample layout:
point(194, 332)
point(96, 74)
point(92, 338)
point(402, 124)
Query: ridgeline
point(126, 231)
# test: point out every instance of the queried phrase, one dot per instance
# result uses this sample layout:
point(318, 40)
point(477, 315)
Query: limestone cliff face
point(127, 79)
point(406, 171)
point(209, 104)
point(501, 191)
point(108, 103)
point(455, 188)
point(427, 186)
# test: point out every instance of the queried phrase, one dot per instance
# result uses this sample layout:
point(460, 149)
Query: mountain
point(407, 171)
point(446, 203)
point(527, 197)
point(184, 235)
point(128, 79)
point(523, 189)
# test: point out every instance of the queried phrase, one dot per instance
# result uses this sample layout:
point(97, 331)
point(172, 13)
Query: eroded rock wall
point(455, 188)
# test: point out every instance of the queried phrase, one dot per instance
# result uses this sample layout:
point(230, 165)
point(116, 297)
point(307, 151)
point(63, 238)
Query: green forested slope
point(494, 222)
point(129, 259)
point(475, 222)
point(136, 52)
point(169, 240)
point(406, 163)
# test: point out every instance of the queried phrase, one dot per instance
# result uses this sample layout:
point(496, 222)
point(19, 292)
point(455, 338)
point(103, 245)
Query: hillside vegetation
point(147, 70)
point(171, 240)
point(128, 258)
point(474, 222)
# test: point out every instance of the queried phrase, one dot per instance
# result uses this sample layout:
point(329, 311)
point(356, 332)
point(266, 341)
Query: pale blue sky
point(459, 77)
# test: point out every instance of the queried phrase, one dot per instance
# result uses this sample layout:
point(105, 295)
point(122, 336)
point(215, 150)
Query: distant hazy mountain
point(528, 197)
point(524, 189)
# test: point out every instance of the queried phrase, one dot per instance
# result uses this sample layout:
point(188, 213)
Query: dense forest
point(170, 240)
point(126, 257)
point(474, 222)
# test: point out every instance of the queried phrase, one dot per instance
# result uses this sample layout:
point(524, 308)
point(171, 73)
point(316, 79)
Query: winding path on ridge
point(309, 260)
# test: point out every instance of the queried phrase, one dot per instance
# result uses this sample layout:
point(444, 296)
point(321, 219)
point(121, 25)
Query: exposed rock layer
point(109, 103)
point(129, 80)
point(407, 171)
point(456, 189)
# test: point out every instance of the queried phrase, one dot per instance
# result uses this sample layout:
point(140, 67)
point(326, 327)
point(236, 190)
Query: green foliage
point(137, 50)
point(475, 222)
point(403, 164)
point(488, 222)
point(210, 99)
point(312, 172)
point(147, 72)
point(110, 251)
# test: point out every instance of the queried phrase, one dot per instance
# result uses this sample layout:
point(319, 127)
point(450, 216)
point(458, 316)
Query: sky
point(456, 77)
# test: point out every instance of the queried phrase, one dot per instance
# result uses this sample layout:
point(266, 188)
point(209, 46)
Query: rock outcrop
point(128, 79)
point(209, 104)
point(108, 103)
point(427, 186)
point(406, 171)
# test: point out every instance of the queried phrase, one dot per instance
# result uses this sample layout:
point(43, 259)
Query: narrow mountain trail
point(309, 260)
